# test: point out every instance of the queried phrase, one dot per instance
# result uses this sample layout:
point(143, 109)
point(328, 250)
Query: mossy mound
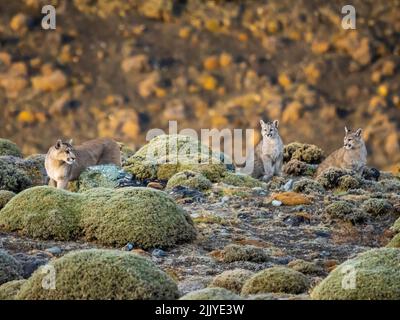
point(101, 275)
point(165, 155)
point(331, 177)
point(5, 197)
point(9, 148)
point(305, 267)
point(347, 182)
point(232, 280)
point(395, 242)
point(377, 207)
point(234, 252)
point(396, 226)
point(389, 185)
point(298, 168)
point(242, 180)
point(12, 178)
point(211, 294)
point(9, 290)
point(276, 279)
point(307, 186)
point(344, 210)
point(104, 176)
point(144, 216)
point(307, 153)
point(10, 268)
point(376, 276)
point(190, 179)
point(43, 213)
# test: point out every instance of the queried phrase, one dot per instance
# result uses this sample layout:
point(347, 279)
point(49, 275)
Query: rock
point(181, 192)
point(291, 198)
point(234, 252)
point(372, 275)
point(232, 280)
point(55, 251)
point(190, 179)
point(109, 274)
point(371, 174)
point(129, 247)
point(155, 185)
point(276, 279)
point(158, 253)
point(276, 203)
point(307, 153)
point(5, 197)
point(306, 267)
point(288, 185)
point(211, 294)
point(10, 268)
point(9, 148)
point(9, 290)
point(144, 216)
point(31, 262)
point(377, 207)
point(308, 186)
point(12, 178)
point(242, 180)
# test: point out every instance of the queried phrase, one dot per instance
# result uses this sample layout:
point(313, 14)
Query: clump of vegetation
point(389, 185)
point(276, 279)
point(242, 180)
point(291, 198)
point(396, 226)
point(234, 252)
point(10, 268)
point(165, 155)
point(377, 207)
point(190, 179)
point(12, 178)
point(211, 294)
point(347, 182)
point(5, 197)
point(32, 166)
point(232, 280)
point(344, 210)
point(298, 168)
point(108, 274)
point(395, 242)
point(307, 153)
point(305, 267)
point(9, 148)
point(331, 178)
point(9, 290)
point(307, 186)
point(376, 277)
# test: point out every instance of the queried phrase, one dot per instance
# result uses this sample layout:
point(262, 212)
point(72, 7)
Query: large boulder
point(100, 275)
point(372, 275)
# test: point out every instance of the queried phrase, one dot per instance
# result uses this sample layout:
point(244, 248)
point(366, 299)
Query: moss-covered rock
point(332, 177)
point(396, 226)
point(211, 294)
point(165, 155)
point(389, 185)
point(298, 168)
point(242, 180)
point(9, 148)
point(372, 275)
point(305, 267)
point(144, 216)
point(344, 210)
point(377, 207)
point(395, 242)
point(276, 279)
point(12, 178)
point(9, 290)
point(347, 182)
point(307, 186)
point(190, 179)
point(10, 268)
point(234, 252)
point(307, 153)
point(5, 197)
point(232, 280)
point(43, 213)
point(101, 275)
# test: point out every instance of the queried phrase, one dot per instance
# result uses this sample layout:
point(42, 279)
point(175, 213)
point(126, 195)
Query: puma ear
point(71, 141)
point(358, 132)
point(262, 123)
point(276, 123)
point(58, 144)
point(346, 130)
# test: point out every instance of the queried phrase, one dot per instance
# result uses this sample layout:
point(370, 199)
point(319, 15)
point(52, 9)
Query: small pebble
point(129, 247)
point(288, 185)
point(276, 203)
point(54, 250)
point(158, 253)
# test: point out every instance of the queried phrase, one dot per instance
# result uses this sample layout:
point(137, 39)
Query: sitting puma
point(267, 159)
point(352, 156)
point(65, 163)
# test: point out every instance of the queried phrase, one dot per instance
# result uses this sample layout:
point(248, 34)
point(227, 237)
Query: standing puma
point(267, 159)
point(65, 163)
point(352, 156)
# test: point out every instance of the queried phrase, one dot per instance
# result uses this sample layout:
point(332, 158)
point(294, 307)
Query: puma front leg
point(52, 183)
point(62, 184)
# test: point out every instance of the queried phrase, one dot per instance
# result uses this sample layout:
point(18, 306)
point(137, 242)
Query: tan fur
point(352, 156)
point(267, 159)
point(65, 163)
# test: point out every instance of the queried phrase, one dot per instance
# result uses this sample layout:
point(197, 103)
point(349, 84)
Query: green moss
point(389, 185)
point(344, 210)
point(307, 153)
point(5, 197)
point(43, 213)
point(12, 178)
point(307, 186)
point(377, 207)
point(189, 179)
point(165, 155)
point(232, 280)
point(144, 216)
point(372, 275)
point(347, 182)
point(242, 180)
point(101, 275)
point(298, 168)
point(10, 268)
point(396, 226)
point(9, 290)
point(9, 148)
point(33, 166)
point(305, 267)
point(234, 252)
point(276, 279)
point(395, 242)
point(211, 294)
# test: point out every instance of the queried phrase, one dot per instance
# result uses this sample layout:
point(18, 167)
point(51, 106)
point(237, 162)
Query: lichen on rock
point(190, 179)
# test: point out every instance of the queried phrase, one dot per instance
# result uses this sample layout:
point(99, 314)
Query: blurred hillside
point(119, 68)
